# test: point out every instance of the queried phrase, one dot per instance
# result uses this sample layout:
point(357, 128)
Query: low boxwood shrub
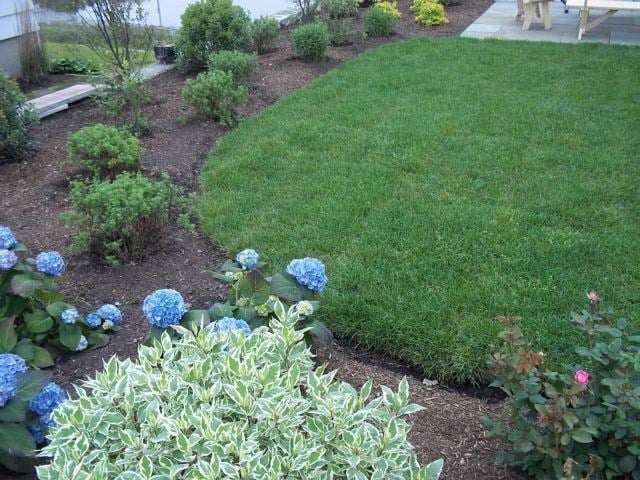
point(378, 22)
point(338, 8)
point(264, 32)
point(123, 99)
point(239, 64)
point(16, 118)
point(428, 12)
point(581, 423)
point(340, 30)
point(210, 26)
point(104, 151)
point(120, 219)
point(309, 42)
point(214, 95)
point(252, 297)
point(222, 402)
point(27, 400)
point(33, 311)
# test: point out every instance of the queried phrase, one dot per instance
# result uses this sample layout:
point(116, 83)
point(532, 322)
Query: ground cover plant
point(241, 405)
point(15, 121)
point(439, 208)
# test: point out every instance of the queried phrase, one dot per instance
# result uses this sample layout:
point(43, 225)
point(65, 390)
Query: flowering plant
point(580, 424)
point(253, 294)
point(27, 400)
point(32, 310)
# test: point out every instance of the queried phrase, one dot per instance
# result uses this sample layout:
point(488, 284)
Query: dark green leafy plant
point(379, 22)
point(580, 424)
point(264, 32)
point(121, 219)
point(239, 64)
point(338, 8)
point(16, 118)
point(123, 98)
point(104, 151)
point(214, 95)
point(310, 41)
point(340, 29)
point(73, 65)
point(209, 26)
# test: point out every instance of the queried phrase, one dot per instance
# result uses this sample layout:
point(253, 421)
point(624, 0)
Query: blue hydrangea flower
point(50, 263)
point(7, 259)
point(70, 316)
point(248, 258)
point(36, 432)
point(163, 308)
point(7, 240)
point(93, 320)
point(50, 396)
point(12, 364)
point(82, 344)
point(229, 323)
point(8, 387)
point(309, 272)
point(111, 313)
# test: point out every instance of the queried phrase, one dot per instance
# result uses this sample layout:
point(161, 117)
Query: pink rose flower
point(581, 377)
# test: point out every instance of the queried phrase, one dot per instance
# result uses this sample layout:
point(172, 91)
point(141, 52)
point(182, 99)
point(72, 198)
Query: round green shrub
point(339, 8)
point(209, 26)
point(310, 41)
point(239, 64)
point(119, 219)
point(103, 151)
point(264, 32)
point(215, 95)
point(16, 118)
point(379, 22)
point(214, 403)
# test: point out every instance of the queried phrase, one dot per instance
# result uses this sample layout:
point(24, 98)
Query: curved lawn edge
point(443, 182)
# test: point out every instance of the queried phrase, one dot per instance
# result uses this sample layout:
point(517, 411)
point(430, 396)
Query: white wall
point(9, 17)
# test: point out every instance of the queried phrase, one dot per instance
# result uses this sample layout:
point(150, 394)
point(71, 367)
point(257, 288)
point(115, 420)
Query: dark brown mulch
point(34, 193)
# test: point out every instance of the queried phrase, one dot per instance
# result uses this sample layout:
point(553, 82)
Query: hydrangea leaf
point(319, 331)
point(17, 463)
point(24, 285)
point(198, 317)
point(56, 309)
point(14, 411)
point(70, 336)
point(97, 339)
point(284, 285)
point(38, 321)
point(8, 337)
point(221, 310)
point(24, 349)
point(41, 358)
point(30, 383)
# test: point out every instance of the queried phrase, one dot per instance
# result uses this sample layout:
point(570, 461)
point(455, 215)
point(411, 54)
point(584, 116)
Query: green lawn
point(443, 182)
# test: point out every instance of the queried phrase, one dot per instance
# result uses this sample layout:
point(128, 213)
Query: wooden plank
point(605, 4)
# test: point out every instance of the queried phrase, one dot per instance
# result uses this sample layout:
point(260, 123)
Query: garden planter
point(165, 53)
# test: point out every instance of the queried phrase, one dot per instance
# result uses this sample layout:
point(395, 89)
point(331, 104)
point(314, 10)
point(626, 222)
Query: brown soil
point(34, 193)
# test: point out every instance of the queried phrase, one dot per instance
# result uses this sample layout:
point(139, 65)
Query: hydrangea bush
point(27, 400)
point(584, 423)
point(32, 310)
point(215, 403)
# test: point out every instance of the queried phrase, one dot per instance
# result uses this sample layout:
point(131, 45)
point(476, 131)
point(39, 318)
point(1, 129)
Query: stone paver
point(498, 22)
point(60, 99)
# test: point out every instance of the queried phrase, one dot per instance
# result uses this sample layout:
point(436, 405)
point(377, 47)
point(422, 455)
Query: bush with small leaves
point(264, 32)
point(219, 402)
point(119, 219)
point(239, 64)
point(339, 8)
point(209, 26)
point(378, 22)
point(429, 12)
point(16, 118)
point(104, 151)
point(340, 29)
point(310, 41)
point(215, 95)
point(122, 99)
point(583, 423)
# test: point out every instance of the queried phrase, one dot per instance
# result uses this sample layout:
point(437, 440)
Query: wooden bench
point(609, 6)
point(530, 10)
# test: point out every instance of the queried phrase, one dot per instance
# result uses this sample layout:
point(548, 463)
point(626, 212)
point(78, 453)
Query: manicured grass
point(443, 182)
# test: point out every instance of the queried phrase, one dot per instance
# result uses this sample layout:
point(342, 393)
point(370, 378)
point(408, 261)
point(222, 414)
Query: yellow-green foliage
point(429, 12)
point(390, 7)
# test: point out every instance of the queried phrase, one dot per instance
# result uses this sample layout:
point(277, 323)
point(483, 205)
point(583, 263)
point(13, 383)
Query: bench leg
point(546, 16)
point(529, 14)
point(584, 18)
point(519, 10)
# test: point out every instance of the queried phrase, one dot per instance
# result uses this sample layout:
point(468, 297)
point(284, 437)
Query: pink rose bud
point(581, 377)
point(593, 297)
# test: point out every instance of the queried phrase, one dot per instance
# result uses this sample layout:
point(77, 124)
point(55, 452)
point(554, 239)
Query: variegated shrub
point(224, 405)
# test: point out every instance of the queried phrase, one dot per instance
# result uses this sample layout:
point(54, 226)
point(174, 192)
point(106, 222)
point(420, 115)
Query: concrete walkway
point(60, 99)
point(497, 22)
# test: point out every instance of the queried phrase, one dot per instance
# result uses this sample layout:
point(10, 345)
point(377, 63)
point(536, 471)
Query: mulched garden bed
point(34, 193)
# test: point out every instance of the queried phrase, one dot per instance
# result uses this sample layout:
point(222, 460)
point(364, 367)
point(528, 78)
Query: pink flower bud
point(581, 377)
point(593, 297)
